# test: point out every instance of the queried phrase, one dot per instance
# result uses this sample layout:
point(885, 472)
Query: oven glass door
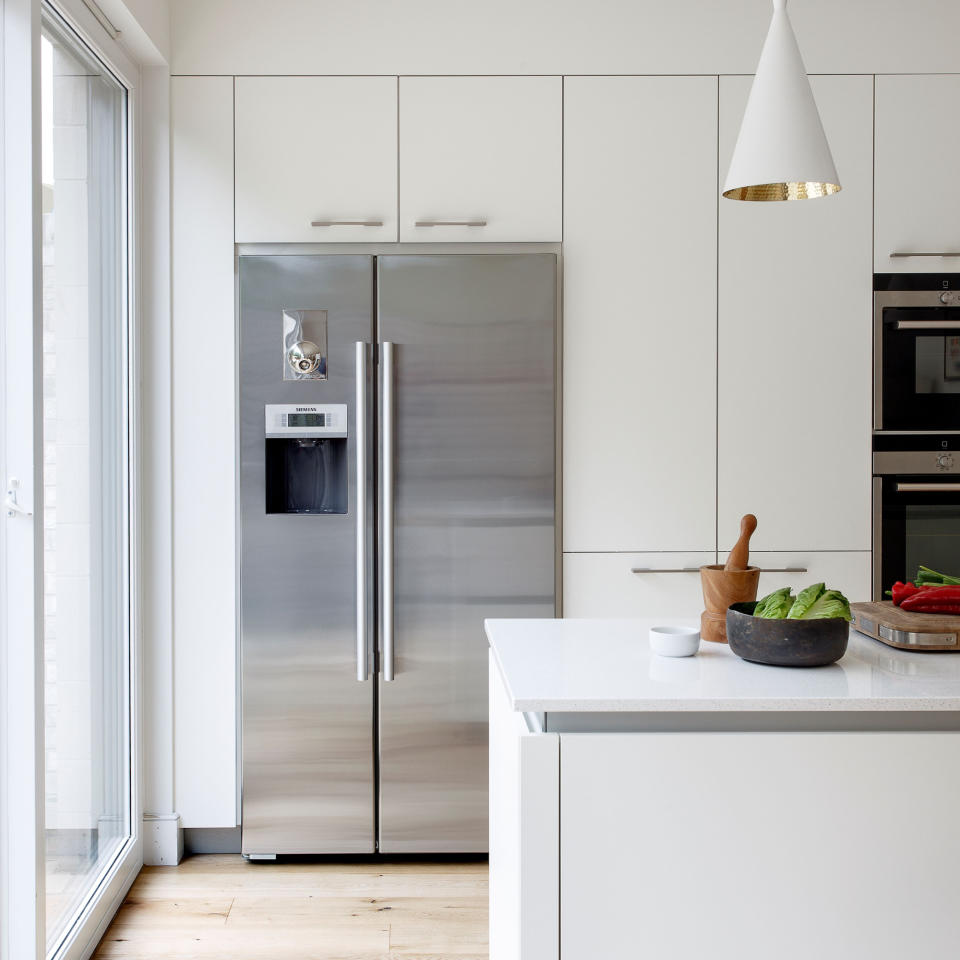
point(920, 378)
point(919, 524)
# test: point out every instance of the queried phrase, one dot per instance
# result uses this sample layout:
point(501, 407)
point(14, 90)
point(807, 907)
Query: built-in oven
point(916, 507)
point(916, 352)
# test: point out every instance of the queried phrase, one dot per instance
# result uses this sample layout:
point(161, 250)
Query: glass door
point(69, 844)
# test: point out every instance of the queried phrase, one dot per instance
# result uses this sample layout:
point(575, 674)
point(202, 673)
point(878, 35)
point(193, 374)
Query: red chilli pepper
point(933, 600)
point(900, 592)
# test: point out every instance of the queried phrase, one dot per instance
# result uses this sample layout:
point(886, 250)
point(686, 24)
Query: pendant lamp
point(782, 151)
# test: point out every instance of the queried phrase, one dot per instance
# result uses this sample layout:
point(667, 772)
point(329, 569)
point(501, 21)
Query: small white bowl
point(674, 641)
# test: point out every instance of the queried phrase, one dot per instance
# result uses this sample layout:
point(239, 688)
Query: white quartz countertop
point(607, 665)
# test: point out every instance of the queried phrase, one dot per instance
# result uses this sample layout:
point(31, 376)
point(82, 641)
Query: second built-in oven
point(916, 352)
point(916, 507)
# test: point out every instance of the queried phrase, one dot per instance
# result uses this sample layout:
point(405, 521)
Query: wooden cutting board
point(930, 632)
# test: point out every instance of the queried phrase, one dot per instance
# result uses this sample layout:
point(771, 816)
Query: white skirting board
point(162, 840)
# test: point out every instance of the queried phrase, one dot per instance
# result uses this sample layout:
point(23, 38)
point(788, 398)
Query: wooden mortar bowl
point(721, 588)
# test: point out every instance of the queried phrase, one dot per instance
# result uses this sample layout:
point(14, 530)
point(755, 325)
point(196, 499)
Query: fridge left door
point(307, 727)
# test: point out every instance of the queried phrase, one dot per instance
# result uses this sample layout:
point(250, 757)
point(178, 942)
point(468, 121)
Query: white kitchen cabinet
point(486, 150)
point(604, 584)
point(316, 159)
point(204, 588)
point(692, 845)
point(848, 572)
point(917, 202)
point(794, 358)
point(639, 398)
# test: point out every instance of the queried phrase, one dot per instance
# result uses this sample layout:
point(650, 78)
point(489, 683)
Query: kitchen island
point(642, 806)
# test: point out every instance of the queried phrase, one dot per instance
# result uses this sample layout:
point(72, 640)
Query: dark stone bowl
point(785, 643)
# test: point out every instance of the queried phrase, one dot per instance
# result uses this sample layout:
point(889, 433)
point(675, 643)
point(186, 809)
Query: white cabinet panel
point(316, 149)
point(848, 572)
point(794, 343)
point(204, 590)
point(485, 149)
point(917, 145)
point(603, 584)
point(639, 376)
point(755, 845)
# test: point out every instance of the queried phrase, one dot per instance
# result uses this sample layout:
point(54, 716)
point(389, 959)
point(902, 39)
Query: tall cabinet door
point(316, 159)
point(467, 394)
point(307, 720)
point(794, 332)
point(640, 249)
point(917, 201)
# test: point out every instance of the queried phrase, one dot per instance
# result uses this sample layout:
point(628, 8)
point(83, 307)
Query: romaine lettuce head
point(805, 600)
point(828, 605)
point(774, 606)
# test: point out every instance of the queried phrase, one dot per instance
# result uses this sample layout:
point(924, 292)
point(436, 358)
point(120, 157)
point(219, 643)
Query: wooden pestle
point(739, 558)
point(734, 582)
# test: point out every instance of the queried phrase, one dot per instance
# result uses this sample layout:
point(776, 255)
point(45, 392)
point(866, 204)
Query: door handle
point(346, 223)
point(928, 487)
point(10, 504)
point(386, 508)
point(450, 223)
point(360, 439)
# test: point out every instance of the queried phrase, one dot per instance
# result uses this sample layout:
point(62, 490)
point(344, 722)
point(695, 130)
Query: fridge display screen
point(306, 419)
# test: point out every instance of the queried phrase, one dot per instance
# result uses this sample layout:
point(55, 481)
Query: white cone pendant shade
point(782, 151)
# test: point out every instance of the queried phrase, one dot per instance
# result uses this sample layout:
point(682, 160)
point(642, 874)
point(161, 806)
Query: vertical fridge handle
point(386, 509)
point(360, 439)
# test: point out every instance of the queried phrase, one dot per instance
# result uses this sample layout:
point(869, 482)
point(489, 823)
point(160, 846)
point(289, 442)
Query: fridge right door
point(467, 514)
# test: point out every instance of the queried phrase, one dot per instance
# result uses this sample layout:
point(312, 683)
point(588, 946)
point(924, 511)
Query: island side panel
point(749, 845)
point(524, 834)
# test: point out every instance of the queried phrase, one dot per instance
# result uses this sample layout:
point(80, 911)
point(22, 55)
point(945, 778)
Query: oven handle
point(928, 487)
point(926, 325)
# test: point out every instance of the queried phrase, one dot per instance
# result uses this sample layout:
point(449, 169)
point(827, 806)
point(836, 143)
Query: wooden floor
point(221, 906)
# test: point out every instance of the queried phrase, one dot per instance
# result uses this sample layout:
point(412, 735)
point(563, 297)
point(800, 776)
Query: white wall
point(554, 36)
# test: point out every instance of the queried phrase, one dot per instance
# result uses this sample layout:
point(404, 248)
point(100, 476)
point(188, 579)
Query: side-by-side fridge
point(397, 486)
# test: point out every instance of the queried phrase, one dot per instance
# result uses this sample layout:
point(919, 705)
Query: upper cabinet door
point(640, 313)
point(316, 159)
point(794, 342)
point(917, 207)
point(481, 150)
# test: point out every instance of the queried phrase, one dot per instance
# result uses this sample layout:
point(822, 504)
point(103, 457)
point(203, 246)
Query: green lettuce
point(774, 606)
point(829, 605)
point(805, 600)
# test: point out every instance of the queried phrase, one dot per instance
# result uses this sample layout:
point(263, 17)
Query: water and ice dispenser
point(306, 458)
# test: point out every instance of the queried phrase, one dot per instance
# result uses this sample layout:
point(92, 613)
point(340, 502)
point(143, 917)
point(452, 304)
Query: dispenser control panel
point(306, 420)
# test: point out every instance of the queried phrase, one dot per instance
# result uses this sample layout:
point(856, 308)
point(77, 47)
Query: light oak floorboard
point(220, 907)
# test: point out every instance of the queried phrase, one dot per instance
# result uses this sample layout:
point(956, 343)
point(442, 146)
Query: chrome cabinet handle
point(928, 488)
point(697, 569)
point(386, 509)
point(450, 223)
point(346, 223)
point(360, 440)
point(921, 254)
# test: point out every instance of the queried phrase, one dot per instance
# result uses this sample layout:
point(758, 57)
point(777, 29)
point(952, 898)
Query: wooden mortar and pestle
point(734, 582)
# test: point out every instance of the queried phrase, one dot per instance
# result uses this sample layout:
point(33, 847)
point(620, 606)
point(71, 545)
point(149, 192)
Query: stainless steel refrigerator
point(397, 486)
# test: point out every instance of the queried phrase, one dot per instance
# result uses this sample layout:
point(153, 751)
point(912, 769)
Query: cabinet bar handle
point(664, 569)
point(948, 254)
point(928, 488)
point(783, 569)
point(346, 223)
point(450, 223)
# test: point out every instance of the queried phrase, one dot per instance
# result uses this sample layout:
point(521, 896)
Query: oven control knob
point(945, 461)
point(951, 297)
